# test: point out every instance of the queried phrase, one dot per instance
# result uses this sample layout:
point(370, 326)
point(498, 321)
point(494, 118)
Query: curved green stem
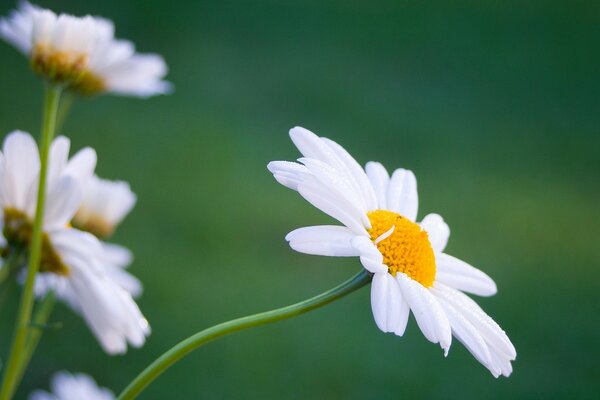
point(27, 298)
point(183, 348)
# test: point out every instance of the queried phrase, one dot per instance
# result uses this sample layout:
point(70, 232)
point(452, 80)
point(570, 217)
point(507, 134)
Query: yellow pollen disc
point(94, 224)
point(407, 249)
point(66, 68)
point(18, 230)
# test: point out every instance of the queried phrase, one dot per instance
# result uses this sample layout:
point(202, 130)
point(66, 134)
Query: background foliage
point(493, 105)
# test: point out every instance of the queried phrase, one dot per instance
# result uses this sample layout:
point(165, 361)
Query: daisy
point(66, 386)
point(82, 53)
point(105, 203)
point(74, 263)
point(411, 273)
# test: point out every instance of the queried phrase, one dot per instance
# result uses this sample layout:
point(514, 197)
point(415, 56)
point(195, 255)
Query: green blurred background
point(495, 106)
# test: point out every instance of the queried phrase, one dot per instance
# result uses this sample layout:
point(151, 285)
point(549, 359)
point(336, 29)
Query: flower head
point(67, 386)
point(411, 273)
point(105, 203)
point(74, 264)
point(82, 53)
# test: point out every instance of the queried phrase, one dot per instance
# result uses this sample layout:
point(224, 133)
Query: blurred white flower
point(67, 386)
point(105, 203)
point(74, 263)
point(411, 272)
point(82, 52)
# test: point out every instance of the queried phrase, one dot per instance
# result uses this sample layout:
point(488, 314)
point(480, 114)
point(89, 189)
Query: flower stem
point(186, 346)
point(40, 319)
point(51, 101)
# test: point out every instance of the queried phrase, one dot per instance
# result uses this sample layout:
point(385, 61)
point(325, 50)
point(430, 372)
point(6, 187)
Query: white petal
point(324, 240)
point(22, 164)
point(17, 27)
point(491, 332)
point(140, 75)
point(335, 206)
point(289, 174)
point(338, 183)
point(320, 149)
point(59, 154)
point(437, 230)
point(468, 335)
point(356, 171)
point(386, 302)
point(427, 311)
point(81, 166)
point(370, 257)
point(458, 274)
point(402, 196)
point(117, 254)
point(63, 200)
point(380, 179)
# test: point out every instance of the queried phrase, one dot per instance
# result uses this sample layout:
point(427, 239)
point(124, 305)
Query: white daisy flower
point(82, 52)
point(67, 386)
point(105, 203)
point(410, 270)
point(74, 262)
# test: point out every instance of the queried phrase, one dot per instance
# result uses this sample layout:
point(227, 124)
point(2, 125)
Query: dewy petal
point(356, 171)
point(458, 274)
point(386, 303)
point(468, 335)
point(370, 257)
point(319, 194)
point(324, 240)
point(332, 179)
point(402, 196)
point(487, 327)
point(317, 148)
point(327, 201)
point(427, 311)
point(380, 179)
point(289, 174)
point(437, 230)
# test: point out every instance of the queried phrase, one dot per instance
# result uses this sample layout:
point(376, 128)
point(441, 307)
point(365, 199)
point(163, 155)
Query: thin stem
point(66, 103)
point(11, 262)
point(40, 319)
point(52, 99)
point(186, 346)
point(10, 268)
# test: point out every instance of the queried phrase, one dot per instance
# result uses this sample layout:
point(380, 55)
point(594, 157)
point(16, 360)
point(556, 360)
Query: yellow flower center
point(18, 230)
point(66, 68)
point(404, 245)
point(95, 224)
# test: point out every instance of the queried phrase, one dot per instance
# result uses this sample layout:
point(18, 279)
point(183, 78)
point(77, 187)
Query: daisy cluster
point(85, 272)
point(82, 210)
point(377, 211)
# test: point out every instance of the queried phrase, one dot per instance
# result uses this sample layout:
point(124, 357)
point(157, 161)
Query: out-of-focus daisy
point(82, 53)
point(67, 386)
point(105, 203)
point(74, 263)
point(410, 270)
